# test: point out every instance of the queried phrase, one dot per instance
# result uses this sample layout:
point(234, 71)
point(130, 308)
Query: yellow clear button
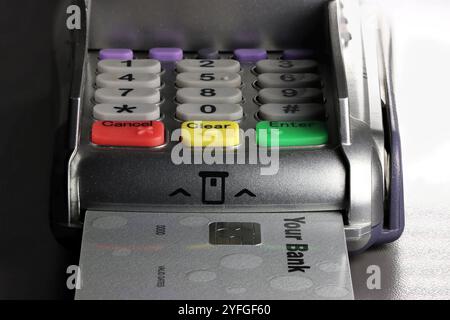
point(210, 133)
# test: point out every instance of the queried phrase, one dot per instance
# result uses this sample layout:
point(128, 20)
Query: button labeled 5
point(210, 79)
point(210, 133)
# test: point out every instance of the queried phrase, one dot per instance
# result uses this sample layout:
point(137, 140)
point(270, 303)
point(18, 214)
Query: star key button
point(128, 133)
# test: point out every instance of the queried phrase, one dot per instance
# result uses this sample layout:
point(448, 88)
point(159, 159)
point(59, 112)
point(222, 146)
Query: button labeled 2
point(128, 133)
point(210, 133)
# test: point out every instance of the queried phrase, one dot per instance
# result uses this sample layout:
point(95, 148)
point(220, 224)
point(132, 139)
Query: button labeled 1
point(209, 95)
point(127, 95)
point(210, 79)
point(223, 65)
point(126, 112)
point(290, 95)
point(131, 80)
point(130, 66)
point(210, 133)
point(196, 111)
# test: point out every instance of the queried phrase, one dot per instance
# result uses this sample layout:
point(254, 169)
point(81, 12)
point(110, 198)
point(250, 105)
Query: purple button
point(250, 55)
point(297, 54)
point(166, 54)
point(116, 54)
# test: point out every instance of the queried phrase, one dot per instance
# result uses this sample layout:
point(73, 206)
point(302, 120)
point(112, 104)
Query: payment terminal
point(227, 149)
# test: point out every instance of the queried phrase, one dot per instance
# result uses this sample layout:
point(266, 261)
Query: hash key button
point(128, 133)
point(126, 112)
point(291, 112)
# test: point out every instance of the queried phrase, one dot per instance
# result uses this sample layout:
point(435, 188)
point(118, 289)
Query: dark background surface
point(32, 263)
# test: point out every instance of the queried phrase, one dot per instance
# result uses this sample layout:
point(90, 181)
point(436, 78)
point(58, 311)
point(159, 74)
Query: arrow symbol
point(180, 190)
point(245, 191)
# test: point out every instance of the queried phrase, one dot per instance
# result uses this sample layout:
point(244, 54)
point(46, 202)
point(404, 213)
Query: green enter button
point(291, 133)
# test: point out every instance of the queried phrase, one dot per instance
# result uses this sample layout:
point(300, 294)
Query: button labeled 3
point(286, 66)
point(210, 133)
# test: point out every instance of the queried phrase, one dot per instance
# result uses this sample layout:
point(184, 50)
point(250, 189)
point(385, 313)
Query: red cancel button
point(128, 133)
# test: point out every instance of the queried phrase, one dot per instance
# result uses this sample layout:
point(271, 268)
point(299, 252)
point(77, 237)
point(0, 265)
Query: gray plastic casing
point(352, 174)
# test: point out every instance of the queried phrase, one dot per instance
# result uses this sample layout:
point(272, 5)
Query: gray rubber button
point(208, 65)
point(129, 80)
point(288, 80)
point(286, 66)
point(290, 95)
point(127, 95)
point(126, 112)
point(130, 66)
point(209, 95)
point(292, 112)
point(210, 79)
point(213, 112)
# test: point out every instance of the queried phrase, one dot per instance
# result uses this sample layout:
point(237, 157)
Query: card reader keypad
point(209, 96)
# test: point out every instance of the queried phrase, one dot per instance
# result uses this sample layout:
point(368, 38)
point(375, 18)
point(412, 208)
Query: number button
point(131, 80)
point(223, 65)
point(130, 66)
point(290, 95)
point(210, 79)
point(196, 111)
point(209, 95)
point(292, 112)
point(286, 66)
point(126, 112)
point(289, 80)
point(127, 95)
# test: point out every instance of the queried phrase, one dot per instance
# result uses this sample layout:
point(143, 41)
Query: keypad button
point(292, 112)
point(290, 95)
point(250, 55)
point(130, 80)
point(289, 80)
point(286, 66)
point(208, 53)
point(210, 133)
point(195, 65)
point(127, 95)
point(209, 95)
point(130, 66)
point(291, 133)
point(116, 54)
point(126, 112)
point(166, 54)
point(297, 54)
point(210, 79)
point(196, 111)
point(128, 133)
